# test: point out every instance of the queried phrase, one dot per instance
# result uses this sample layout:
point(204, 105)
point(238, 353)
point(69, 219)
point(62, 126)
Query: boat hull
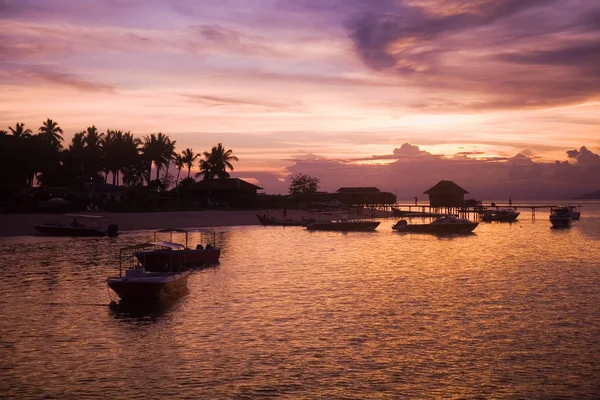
point(149, 288)
point(279, 222)
point(57, 230)
point(161, 260)
point(341, 226)
point(560, 222)
point(437, 228)
point(500, 217)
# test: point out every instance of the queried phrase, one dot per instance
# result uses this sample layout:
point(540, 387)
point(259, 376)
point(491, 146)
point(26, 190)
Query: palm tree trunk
point(189, 171)
point(177, 180)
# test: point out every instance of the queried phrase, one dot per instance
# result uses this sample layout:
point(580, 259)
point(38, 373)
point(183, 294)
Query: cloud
point(63, 80)
point(518, 176)
point(235, 101)
point(407, 149)
point(584, 157)
point(491, 54)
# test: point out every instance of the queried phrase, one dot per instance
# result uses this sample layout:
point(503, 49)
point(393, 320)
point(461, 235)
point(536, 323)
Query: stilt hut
point(446, 194)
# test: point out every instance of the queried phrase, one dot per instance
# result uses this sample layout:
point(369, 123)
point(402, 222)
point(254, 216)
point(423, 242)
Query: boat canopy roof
point(185, 230)
point(171, 245)
point(174, 246)
point(84, 216)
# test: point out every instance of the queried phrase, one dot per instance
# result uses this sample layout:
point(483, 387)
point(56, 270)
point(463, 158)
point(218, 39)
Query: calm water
point(510, 311)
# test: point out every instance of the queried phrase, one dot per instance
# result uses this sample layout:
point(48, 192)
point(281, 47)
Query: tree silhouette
point(20, 132)
point(188, 157)
point(302, 183)
point(51, 133)
point(216, 163)
point(179, 164)
point(158, 149)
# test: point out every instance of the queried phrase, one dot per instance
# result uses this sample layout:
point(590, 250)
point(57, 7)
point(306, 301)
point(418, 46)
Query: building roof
point(358, 190)
point(443, 187)
point(222, 184)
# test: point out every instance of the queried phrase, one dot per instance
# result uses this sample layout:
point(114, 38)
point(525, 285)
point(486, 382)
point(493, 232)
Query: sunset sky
point(334, 88)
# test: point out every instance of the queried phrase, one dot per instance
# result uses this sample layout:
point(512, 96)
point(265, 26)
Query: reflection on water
point(509, 311)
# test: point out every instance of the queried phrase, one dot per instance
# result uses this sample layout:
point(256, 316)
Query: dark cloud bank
point(413, 171)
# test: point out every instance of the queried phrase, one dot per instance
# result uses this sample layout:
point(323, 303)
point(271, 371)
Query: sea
point(510, 311)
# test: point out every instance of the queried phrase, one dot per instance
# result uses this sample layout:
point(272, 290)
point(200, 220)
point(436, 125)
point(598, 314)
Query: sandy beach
point(23, 224)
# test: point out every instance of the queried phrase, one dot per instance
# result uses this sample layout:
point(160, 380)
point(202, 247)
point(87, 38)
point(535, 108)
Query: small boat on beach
point(561, 217)
point(78, 225)
point(499, 214)
point(343, 225)
point(136, 285)
point(165, 253)
point(447, 224)
point(271, 221)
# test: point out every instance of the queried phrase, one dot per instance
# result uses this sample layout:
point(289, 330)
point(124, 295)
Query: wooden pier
point(469, 212)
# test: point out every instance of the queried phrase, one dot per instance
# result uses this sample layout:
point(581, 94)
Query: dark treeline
point(115, 157)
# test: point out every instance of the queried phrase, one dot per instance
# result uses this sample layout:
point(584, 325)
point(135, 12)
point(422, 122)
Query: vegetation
point(302, 183)
point(115, 157)
point(216, 163)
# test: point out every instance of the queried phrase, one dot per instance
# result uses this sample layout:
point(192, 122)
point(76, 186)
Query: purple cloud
point(503, 54)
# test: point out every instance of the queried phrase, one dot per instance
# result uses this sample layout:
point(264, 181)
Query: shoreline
point(23, 224)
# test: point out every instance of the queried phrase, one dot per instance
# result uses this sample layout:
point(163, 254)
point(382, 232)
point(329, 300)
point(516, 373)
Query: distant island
point(591, 195)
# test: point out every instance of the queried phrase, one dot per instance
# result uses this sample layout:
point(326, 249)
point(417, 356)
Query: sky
point(496, 95)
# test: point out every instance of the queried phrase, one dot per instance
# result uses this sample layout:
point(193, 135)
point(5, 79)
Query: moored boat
point(271, 221)
point(78, 225)
point(574, 213)
point(499, 214)
point(136, 285)
point(343, 225)
point(164, 253)
point(448, 224)
point(560, 217)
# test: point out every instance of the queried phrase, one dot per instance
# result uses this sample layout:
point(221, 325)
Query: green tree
point(302, 183)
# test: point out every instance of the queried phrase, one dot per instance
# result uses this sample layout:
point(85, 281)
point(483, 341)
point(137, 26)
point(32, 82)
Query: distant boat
point(78, 225)
point(448, 224)
point(343, 225)
point(499, 214)
point(136, 285)
point(167, 253)
point(575, 215)
point(560, 217)
point(270, 221)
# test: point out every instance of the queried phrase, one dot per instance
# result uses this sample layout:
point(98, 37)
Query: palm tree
point(3, 132)
point(51, 133)
point(20, 132)
point(179, 164)
point(93, 141)
point(188, 157)
point(158, 149)
point(216, 163)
